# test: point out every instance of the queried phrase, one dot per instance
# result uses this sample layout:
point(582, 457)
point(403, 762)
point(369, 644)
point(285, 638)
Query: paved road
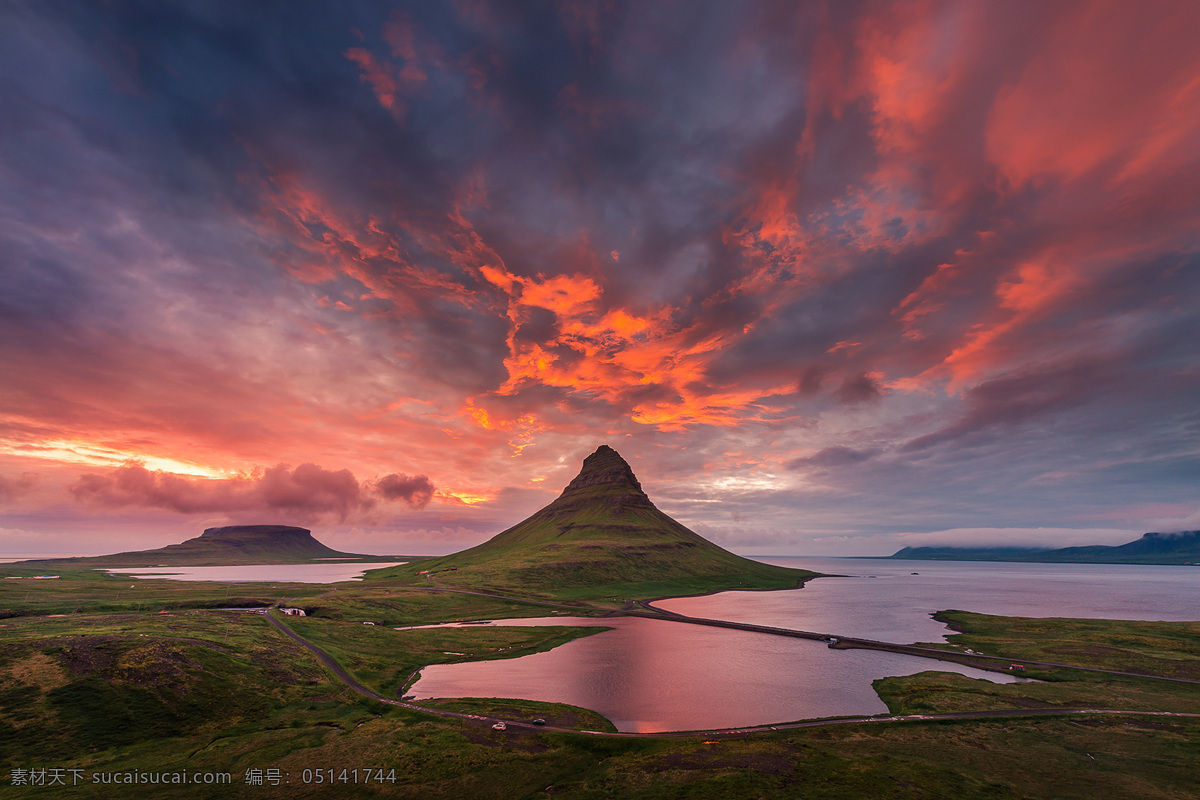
point(851, 643)
point(351, 682)
point(844, 642)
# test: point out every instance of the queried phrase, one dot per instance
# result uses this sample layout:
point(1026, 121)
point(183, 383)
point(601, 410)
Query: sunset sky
point(834, 277)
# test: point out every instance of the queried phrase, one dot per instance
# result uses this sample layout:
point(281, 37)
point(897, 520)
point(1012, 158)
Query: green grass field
point(179, 685)
point(1169, 649)
point(383, 659)
point(607, 592)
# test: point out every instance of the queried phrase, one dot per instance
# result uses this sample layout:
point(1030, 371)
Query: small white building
point(294, 612)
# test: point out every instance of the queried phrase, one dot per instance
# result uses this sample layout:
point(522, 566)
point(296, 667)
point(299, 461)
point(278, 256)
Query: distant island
point(230, 545)
point(1153, 548)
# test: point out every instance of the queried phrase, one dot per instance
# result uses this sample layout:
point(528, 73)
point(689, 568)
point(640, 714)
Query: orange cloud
point(1022, 296)
point(1114, 87)
point(612, 355)
point(382, 77)
point(565, 296)
point(391, 81)
point(366, 248)
point(911, 57)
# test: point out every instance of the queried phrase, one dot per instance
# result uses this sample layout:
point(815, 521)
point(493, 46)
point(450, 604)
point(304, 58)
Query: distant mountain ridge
point(229, 545)
point(603, 530)
point(1153, 548)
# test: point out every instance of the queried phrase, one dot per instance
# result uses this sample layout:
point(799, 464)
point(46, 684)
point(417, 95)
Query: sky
point(834, 277)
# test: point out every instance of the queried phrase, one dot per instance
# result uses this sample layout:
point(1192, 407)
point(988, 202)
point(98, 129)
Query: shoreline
point(765, 728)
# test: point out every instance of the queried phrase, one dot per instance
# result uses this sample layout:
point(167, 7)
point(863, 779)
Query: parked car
point(499, 726)
point(539, 722)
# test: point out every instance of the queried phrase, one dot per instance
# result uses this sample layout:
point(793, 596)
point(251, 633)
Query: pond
point(652, 675)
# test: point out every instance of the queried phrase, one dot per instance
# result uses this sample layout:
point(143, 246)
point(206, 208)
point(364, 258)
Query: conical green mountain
point(604, 534)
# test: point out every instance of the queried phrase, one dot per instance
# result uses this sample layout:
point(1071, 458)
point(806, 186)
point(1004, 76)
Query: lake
point(648, 675)
point(260, 573)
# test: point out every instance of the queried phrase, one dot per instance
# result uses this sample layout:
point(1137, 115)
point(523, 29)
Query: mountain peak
point(602, 531)
point(604, 476)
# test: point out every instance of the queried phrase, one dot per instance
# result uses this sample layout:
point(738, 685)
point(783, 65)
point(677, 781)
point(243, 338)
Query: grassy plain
point(180, 686)
point(1166, 649)
point(88, 591)
point(608, 591)
point(384, 660)
point(1169, 649)
point(555, 714)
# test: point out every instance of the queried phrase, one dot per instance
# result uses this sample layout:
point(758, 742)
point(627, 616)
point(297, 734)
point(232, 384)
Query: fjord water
point(881, 598)
point(652, 675)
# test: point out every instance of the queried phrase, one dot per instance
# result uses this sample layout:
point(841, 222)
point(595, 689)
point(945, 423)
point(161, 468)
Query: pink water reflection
point(648, 675)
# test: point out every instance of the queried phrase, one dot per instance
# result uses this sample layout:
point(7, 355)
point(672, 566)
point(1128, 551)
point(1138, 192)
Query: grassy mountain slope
point(602, 536)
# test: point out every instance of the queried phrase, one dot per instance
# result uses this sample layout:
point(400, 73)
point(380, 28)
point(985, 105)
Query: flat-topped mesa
point(231, 544)
point(252, 531)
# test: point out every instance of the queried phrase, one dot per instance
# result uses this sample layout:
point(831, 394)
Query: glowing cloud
point(870, 267)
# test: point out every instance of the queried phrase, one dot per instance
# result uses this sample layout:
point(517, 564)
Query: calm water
point(647, 675)
point(260, 573)
point(895, 605)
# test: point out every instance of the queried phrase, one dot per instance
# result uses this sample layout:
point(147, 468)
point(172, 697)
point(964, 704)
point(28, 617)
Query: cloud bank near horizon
point(819, 271)
point(308, 492)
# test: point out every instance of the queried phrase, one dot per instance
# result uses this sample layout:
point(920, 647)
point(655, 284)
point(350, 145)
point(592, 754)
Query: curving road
point(843, 642)
point(354, 685)
point(851, 643)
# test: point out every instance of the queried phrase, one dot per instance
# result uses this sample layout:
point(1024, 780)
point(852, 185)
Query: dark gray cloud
point(859, 389)
point(306, 492)
point(837, 456)
point(416, 490)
